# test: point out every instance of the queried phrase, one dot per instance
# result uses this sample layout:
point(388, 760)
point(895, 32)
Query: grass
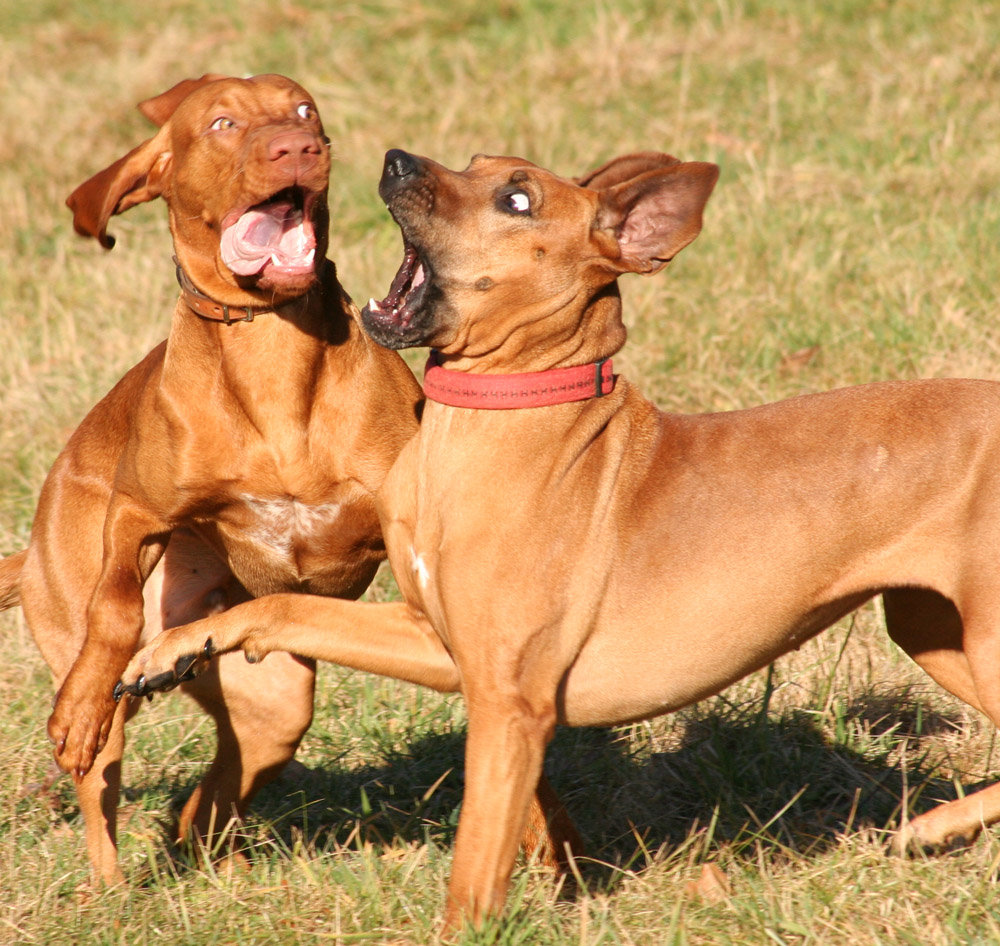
point(852, 237)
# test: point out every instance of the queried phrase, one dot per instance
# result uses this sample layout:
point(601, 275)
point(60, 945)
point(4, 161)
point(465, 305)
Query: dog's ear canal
point(655, 214)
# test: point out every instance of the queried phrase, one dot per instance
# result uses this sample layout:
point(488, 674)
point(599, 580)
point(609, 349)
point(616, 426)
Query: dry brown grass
point(852, 237)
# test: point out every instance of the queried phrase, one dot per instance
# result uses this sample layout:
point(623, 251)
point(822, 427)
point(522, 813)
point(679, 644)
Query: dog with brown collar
point(240, 457)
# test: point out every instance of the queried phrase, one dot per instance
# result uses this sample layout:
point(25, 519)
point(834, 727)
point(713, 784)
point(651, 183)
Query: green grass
point(852, 237)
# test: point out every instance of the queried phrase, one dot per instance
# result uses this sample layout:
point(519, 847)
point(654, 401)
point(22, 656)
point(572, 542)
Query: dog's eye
point(306, 112)
point(517, 202)
point(222, 123)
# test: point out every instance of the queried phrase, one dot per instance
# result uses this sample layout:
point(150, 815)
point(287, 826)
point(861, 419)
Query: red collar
point(506, 391)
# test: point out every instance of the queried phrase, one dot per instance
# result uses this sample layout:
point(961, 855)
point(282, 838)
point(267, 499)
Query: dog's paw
point(932, 834)
point(79, 729)
point(154, 670)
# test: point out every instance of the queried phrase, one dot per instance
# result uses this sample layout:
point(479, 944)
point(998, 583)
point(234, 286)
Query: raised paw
point(79, 729)
point(145, 674)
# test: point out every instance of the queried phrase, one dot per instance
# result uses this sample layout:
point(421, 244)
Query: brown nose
point(297, 147)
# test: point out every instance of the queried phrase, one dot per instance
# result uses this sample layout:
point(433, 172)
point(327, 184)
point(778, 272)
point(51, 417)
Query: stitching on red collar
point(510, 391)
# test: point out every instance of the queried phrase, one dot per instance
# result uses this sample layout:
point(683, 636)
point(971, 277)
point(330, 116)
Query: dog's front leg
point(389, 639)
point(393, 640)
point(134, 541)
point(505, 749)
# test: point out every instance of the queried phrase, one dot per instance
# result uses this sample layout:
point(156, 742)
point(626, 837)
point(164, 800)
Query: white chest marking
point(420, 569)
point(280, 523)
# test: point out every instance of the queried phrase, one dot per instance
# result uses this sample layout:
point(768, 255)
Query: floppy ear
point(135, 178)
point(131, 180)
point(159, 108)
point(624, 168)
point(655, 215)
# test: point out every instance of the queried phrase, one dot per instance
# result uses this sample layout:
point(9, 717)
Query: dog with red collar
point(596, 561)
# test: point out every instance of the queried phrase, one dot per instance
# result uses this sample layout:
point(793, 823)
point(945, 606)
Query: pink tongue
point(275, 232)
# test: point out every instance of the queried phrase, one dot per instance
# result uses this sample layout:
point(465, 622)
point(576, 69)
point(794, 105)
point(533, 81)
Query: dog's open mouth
point(276, 234)
point(406, 294)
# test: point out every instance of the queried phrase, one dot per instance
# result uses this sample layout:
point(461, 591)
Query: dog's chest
point(281, 543)
point(282, 524)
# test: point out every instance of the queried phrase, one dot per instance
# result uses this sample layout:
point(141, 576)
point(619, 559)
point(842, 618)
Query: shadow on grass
point(777, 778)
point(755, 777)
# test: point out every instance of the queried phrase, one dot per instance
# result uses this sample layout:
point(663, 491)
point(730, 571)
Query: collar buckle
point(598, 379)
point(228, 319)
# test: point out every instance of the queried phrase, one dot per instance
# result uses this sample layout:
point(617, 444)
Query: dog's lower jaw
point(421, 330)
point(281, 288)
point(388, 337)
point(272, 286)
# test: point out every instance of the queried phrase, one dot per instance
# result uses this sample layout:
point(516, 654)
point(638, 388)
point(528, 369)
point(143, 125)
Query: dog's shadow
point(751, 775)
point(745, 776)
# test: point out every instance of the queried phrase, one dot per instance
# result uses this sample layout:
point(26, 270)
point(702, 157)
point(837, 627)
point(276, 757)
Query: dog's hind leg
point(930, 629)
point(98, 793)
point(261, 713)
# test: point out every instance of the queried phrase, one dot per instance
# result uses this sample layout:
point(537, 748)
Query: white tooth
point(275, 259)
point(374, 306)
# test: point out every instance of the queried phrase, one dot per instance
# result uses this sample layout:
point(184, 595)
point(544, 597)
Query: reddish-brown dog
point(242, 454)
point(596, 561)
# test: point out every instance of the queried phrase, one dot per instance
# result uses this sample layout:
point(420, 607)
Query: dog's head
point(244, 167)
point(506, 248)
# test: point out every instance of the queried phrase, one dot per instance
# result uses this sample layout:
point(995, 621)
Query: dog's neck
point(581, 330)
point(205, 307)
point(270, 366)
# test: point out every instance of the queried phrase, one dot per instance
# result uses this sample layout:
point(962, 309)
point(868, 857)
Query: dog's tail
point(10, 579)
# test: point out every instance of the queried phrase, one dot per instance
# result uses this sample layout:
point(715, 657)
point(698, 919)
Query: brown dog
point(245, 450)
point(596, 561)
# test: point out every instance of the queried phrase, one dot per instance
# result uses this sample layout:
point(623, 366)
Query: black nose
point(399, 164)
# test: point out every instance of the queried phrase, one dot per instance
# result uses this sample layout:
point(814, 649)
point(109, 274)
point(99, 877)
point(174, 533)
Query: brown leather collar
point(207, 308)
